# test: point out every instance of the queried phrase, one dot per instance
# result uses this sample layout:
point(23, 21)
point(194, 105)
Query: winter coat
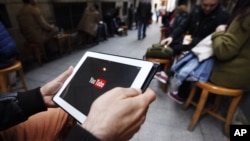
point(89, 21)
point(231, 49)
point(144, 11)
point(33, 25)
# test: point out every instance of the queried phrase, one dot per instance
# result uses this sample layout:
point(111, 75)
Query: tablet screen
point(95, 74)
point(95, 77)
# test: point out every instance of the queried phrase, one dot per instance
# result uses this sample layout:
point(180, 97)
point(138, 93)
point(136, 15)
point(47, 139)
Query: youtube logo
point(98, 83)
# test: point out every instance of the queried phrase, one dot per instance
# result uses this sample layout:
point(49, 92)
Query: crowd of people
point(124, 109)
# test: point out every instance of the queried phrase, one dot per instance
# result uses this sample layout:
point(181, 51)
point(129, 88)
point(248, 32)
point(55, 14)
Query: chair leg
point(199, 110)
point(37, 55)
point(217, 103)
point(190, 97)
point(230, 113)
point(3, 85)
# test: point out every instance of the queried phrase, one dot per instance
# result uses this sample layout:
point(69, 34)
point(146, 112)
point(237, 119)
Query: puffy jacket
point(7, 45)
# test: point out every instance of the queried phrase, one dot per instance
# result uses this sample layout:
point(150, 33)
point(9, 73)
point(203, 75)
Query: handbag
point(159, 51)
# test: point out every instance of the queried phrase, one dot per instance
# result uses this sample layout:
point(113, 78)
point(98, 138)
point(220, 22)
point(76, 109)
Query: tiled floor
point(166, 120)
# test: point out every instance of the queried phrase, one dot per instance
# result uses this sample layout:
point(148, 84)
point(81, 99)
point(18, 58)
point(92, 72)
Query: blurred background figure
point(144, 15)
point(33, 25)
point(8, 50)
point(179, 17)
point(131, 16)
point(88, 24)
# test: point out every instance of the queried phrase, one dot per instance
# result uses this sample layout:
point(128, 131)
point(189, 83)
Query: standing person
point(33, 25)
point(202, 21)
point(24, 116)
point(144, 15)
point(231, 45)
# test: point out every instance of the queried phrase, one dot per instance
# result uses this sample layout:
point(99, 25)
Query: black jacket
point(179, 19)
point(144, 11)
point(200, 25)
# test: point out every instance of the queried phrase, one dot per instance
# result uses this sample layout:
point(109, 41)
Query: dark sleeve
point(78, 133)
point(181, 28)
point(17, 107)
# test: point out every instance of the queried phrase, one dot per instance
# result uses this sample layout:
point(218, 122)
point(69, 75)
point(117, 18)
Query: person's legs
point(51, 125)
point(98, 33)
point(182, 93)
point(145, 24)
point(105, 28)
point(184, 89)
point(139, 29)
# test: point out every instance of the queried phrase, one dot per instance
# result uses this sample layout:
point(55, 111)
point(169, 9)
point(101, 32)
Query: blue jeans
point(142, 25)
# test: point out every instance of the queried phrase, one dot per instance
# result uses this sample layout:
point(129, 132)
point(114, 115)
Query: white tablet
point(97, 73)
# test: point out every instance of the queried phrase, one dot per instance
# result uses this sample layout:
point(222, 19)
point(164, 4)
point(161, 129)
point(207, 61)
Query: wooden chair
point(165, 62)
point(67, 38)
point(209, 88)
point(86, 38)
point(37, 50)
point(5, 84)
point(125, 30)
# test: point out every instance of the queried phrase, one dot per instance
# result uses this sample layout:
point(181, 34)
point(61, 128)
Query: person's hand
point(221, 28)
point(167, 41)
point(50, 88)
point(118, 114)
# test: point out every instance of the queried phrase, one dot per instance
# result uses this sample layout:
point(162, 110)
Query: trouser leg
point(184, 89)
point(51, 125)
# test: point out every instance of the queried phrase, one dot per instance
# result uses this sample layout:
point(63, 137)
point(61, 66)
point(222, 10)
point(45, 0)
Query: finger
point(131, 92)
point(120, 92)
point(148, 96)
point(62, 77)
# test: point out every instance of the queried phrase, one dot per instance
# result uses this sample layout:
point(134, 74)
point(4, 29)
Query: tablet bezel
point(138, 82)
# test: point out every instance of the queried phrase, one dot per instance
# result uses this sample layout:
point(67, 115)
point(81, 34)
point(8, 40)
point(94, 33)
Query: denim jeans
point(142, 25)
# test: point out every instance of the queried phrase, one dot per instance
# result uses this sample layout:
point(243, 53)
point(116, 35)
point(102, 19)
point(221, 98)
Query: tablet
point(97, 73)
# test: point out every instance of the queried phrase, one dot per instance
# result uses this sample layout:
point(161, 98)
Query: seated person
point(108, 19)
point(230, 46)
point(117, 21)
point(102, 26)
point(206, 19)
point(8, 50)
point(180, 17)
point(89, 22)
point(25, 115)
point(207, 16)
point(33, 25)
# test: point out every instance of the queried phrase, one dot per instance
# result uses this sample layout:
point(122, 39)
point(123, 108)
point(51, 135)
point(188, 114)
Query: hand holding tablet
point(118, 113)
point(97, 73)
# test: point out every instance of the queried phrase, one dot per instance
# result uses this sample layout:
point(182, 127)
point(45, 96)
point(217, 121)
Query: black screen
point(95, 77)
